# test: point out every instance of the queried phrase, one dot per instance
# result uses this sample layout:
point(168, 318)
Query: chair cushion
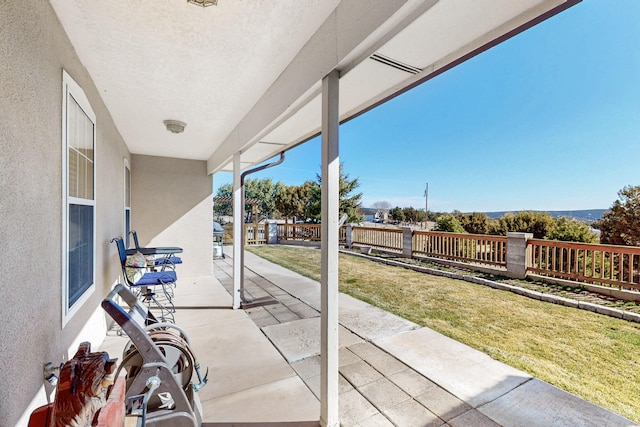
point(157, 278)
point(136, 260)
point(170, 260)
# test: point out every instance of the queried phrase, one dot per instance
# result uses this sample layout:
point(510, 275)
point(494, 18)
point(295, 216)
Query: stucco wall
point(171, 206)
point(33, 52)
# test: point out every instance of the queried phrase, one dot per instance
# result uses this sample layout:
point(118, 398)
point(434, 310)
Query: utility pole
point(426, 205)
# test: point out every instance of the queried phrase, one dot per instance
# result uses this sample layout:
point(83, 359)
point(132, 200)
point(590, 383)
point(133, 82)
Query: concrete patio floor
point(264, 363)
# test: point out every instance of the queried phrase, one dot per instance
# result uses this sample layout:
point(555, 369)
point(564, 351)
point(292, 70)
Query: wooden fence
point(380, 238)
point(471, 248)
point(253, 234)
point(309, 232)
point(608, 265)
point(256, 234)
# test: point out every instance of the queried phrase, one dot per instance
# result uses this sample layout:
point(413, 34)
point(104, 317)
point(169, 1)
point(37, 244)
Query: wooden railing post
point(407, 242)
point(349, 235)
point(517, 254)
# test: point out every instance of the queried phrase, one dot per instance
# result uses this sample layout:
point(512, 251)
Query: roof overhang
point(246, 76)
point(399, 45)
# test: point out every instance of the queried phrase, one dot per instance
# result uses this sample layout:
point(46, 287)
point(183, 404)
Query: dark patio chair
point(154, 288)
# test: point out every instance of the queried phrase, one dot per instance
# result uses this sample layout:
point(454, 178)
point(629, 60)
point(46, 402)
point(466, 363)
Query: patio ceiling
point(245, 75)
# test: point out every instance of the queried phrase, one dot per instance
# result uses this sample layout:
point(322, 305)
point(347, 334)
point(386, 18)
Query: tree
point(410, 214)
point(572, 230)
point(349, 202)
point(421, 216)
point(263, 190)
point(224, 208)
point(449, 223)
point(474, 223)
point(620, 225)
point(397, 214)
point(293, 201)
point(537, 223)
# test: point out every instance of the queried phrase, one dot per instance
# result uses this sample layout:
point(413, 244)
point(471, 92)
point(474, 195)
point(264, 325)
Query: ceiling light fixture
point(175, 126)
point(203, 3)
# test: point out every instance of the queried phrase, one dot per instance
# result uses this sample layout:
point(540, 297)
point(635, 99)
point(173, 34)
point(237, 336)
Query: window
point(127, 203)
point(78, 143)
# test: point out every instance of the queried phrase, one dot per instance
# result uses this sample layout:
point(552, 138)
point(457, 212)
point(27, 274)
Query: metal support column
point(238, 236)
point(329, 264)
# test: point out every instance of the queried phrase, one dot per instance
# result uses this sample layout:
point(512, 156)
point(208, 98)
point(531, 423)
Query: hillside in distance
point(586, 215)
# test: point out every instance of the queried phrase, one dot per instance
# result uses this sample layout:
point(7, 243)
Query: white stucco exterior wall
point(171, 205)
point(33, 52)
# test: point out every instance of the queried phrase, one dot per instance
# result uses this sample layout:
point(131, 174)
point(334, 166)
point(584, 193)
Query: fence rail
point(253, 234)
point(381, 238)
point(472, 248)
point(609, 265)
point(299, 232)
point(604, 265)
point(309, 232)
point(256, 234)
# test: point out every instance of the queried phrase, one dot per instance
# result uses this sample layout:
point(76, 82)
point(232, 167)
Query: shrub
point(571, 230)
point(449, 223)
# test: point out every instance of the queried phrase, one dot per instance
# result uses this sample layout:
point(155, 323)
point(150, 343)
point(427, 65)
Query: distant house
point(374, 215)
point(368, 214)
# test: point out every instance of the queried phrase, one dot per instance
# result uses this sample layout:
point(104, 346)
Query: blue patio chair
point(167, 260)
point(145, 283)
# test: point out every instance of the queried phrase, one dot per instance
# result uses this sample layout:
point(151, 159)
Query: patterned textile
point(135, 267)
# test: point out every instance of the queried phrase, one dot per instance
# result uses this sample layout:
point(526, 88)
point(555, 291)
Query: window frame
point(71, 89)
point(127, 203)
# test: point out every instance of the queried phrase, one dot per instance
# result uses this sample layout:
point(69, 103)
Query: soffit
point(153, 60)
point(245, 75)
point(418, 48)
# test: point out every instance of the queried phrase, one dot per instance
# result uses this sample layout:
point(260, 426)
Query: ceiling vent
point(396, 64)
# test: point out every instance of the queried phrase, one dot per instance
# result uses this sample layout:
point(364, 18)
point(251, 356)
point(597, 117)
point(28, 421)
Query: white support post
point(238, 221)
point(329, 264)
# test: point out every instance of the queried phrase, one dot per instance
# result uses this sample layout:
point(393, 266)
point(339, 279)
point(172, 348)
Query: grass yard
point(590, 355)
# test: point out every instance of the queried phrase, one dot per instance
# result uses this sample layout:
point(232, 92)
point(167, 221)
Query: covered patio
point(264, 363)
point(165, 94)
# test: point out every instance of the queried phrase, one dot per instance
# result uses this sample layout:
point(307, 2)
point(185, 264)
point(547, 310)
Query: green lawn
point(590, 355)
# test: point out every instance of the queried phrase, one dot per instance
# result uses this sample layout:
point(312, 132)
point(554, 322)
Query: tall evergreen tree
point(263, 190)
point(293, 201)
point(350, 202)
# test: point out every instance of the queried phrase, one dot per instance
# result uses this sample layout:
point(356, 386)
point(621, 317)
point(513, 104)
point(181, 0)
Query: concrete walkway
point(393, 372)
point(264, 363)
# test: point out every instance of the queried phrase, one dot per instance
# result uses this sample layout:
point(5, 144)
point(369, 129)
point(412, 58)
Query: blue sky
point(548, 120)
